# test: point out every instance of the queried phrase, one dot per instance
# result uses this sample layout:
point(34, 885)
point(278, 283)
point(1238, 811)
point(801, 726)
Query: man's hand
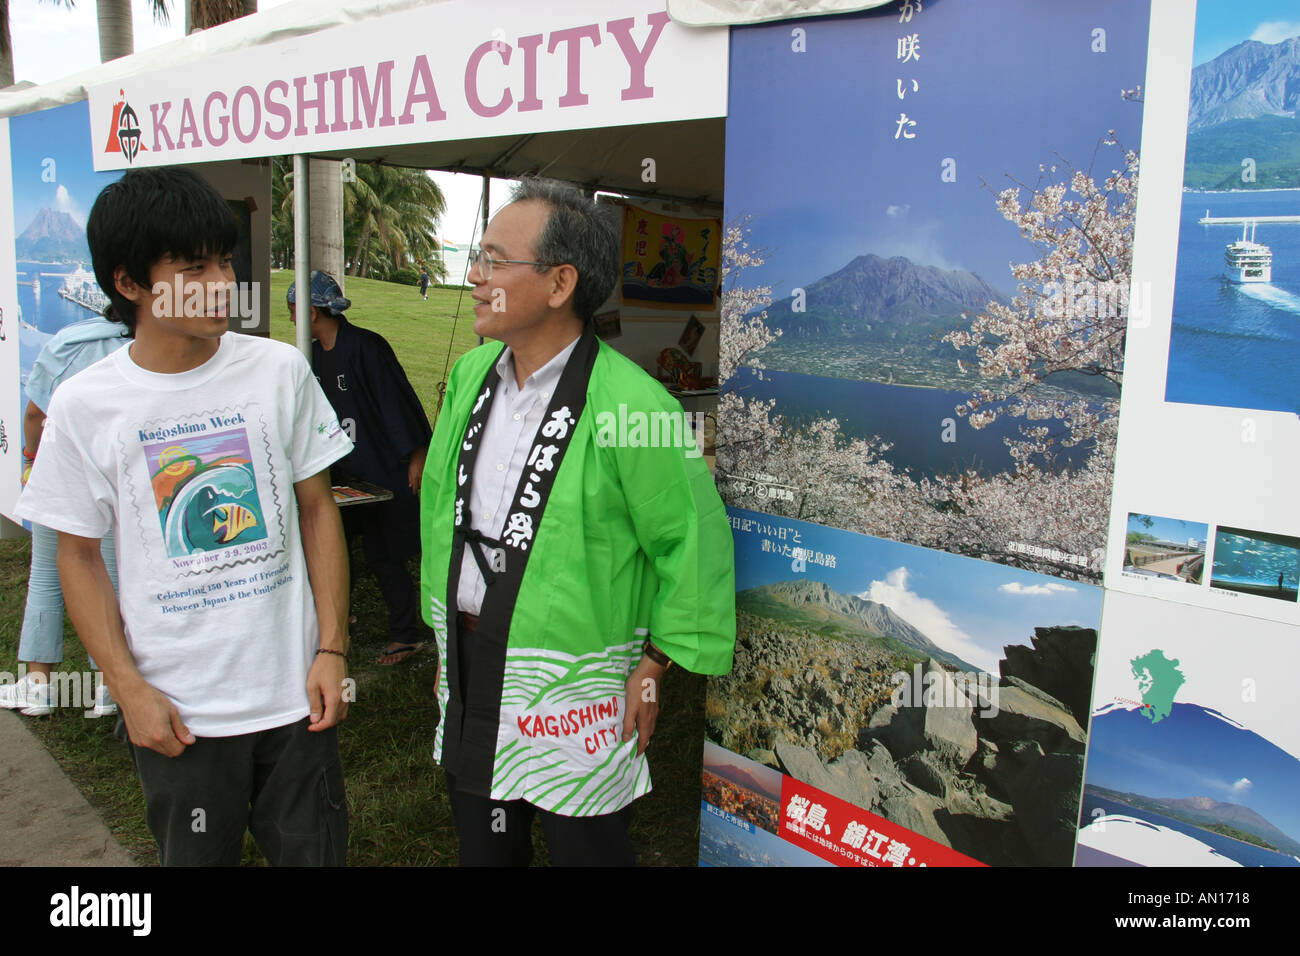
point(152, 720)
point(415, 469)
point(325, 691)
point(641, 703)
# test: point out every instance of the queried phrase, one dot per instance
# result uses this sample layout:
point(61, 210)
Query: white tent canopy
point(596, 89)
point(688, 158)
point(283, 23)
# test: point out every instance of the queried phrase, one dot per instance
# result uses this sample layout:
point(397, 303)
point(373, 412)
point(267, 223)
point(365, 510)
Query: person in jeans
point(40, 645)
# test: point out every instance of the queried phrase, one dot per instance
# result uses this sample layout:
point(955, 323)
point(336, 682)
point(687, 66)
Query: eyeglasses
point(485, 262)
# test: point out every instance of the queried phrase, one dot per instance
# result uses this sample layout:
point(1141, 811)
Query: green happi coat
point(633, 540)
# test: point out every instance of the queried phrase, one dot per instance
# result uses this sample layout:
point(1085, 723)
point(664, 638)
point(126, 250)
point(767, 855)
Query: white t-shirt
point(194, 472)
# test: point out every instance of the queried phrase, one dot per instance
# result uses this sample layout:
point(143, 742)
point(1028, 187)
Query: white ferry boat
point(80, 287)
point(1248, 260)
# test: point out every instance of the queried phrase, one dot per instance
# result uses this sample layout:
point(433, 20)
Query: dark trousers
point(285, 785)
point(398, 588)
point(499, 833)
point(386, 534)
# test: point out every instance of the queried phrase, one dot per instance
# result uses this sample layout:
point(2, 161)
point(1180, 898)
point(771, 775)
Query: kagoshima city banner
point(446, 72)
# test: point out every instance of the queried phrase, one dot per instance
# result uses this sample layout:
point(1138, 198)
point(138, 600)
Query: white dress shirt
point(512, 423)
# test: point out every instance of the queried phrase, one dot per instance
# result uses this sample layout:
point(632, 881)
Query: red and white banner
point(847, 835)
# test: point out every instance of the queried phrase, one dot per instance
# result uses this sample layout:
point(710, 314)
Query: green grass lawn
point(398, 806)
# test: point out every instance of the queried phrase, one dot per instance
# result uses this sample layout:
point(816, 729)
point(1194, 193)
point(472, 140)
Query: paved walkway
point(44, 819)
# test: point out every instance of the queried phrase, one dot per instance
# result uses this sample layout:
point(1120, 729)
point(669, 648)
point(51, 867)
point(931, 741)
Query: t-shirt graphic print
point(205, 492)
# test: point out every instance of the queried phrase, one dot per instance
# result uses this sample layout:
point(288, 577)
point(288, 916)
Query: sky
point(998, 87)
point(969, 608)
point(51, 41)
point(1170, 529)
point(1222, 24)
point(1194, 754)
point(59, 137)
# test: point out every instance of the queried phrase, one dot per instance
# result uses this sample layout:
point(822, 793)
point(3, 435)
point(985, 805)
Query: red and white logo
point(124, 135)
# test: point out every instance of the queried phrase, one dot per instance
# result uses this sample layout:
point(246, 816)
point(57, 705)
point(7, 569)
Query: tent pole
point(302, 253)
point(483, 215)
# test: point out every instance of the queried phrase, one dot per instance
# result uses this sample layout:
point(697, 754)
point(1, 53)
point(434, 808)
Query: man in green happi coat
point(574, 548)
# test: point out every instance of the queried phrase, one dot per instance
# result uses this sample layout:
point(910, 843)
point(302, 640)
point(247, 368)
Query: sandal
point(401, 652)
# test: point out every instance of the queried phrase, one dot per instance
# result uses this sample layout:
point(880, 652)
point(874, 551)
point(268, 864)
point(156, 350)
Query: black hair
point(578, 233)
point(148, 214)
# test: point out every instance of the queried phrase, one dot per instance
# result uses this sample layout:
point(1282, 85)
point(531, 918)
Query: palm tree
point(6, 42)
point(390, 216)
point(201, 14)
point(325, 204)
point(115, 36)
point(325, 209)
point(282, 212)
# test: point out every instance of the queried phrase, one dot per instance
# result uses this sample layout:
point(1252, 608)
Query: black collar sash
point(474, 712)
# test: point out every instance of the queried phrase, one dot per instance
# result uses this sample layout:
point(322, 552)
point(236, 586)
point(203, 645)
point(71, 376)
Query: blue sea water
point(915, 421)
point(1194, 752)
point(47, 310)
point(44, 310)
point(1235, 850)
point(1236, 345)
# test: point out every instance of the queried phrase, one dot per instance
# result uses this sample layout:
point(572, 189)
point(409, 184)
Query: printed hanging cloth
point(473, 717)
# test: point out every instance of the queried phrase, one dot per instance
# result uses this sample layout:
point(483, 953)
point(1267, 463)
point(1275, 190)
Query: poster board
point(45, 282)
point(50, 185)
point(1194, 757)
point(922, 355)
point(1210, 437)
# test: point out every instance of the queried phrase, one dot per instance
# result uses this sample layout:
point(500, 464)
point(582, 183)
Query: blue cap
point(325, 293)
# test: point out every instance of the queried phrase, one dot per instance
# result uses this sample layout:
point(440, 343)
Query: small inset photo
point(1256, 562)
point(1168, 548)
point(741, 787)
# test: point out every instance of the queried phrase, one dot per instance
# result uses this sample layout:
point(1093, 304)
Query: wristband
point(27, 457)
point(656, 655)
point(330, 650)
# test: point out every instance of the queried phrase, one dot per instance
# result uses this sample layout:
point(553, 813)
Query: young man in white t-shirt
point(208, 453)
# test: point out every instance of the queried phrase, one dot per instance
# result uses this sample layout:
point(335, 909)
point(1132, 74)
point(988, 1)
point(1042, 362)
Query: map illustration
point(1158, 680)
